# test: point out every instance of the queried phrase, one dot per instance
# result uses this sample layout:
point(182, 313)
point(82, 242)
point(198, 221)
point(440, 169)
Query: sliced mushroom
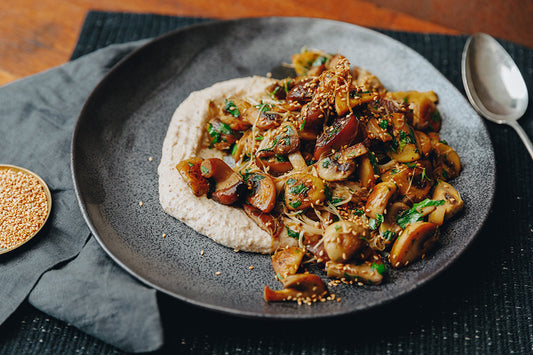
point(453, 203)
point(425, 114)
point(447, 162)
point(305, 61)
point(389, 228)
point(377, 130)
point(349, 97)
point(231, 114)
point(343, 239)
point(221, 136)
point(286, 140)
point(406, 154)
point(367, 272)
point(287, 261)
point(335, 167)
point(303, 90)
point(413, 183)
point(367, 176)
point(413, 243)
point(272, 164)
point(299, 287)
point(340, 134)
point(423, 143)
point(229, 186)
point(379, 198)
point(262, 191)
point(267, 222)
point(190, 172)
point(262, 116)
point(304, 190)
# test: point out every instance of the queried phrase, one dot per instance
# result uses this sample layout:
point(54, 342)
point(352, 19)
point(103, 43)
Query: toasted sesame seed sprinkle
point(218, 273)
point(23, 207)
point(140, 203)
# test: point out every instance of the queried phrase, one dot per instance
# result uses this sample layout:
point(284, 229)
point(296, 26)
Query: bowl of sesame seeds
point(25, 205)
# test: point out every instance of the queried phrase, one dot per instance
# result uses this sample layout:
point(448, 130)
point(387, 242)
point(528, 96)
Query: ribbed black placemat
point(483, 304)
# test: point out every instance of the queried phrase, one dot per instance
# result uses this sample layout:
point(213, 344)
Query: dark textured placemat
point(482, 304)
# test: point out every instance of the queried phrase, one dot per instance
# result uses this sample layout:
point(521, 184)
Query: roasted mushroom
point(303, 190)
point(299, 287)
point(340, 134)
point(343, 239)
point(266, 221)
point(368, 272)
point(453, 203)
point(413, 243)
point(287, 261)
point(191, 172)
point(379, 198)
point(262, 191)
point(229, 186)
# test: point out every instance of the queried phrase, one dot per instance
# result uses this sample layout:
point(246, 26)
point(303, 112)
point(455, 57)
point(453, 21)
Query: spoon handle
point(523, 135)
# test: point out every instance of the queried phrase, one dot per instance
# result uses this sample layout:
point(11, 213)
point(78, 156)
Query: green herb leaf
point(384, 124)
point(302, 125)
point(335, 201)
point(281, 158)
point(379, 268)
point(190, 164)
point(413, 214)
point(204, 169)
point(292, 233)
point(325, 163)
point(373, 223)
point(259, 137)
point(290, 181)
point(374, 162)
point(358, 212)
point(388, 235)
point(230, 108)
point(295, 204)
point(299, 189)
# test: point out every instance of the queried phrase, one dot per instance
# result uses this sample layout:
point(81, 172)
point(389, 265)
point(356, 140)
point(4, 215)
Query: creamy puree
point(185, 139)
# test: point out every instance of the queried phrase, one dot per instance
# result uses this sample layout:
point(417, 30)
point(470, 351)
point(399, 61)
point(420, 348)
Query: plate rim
point(423, 282)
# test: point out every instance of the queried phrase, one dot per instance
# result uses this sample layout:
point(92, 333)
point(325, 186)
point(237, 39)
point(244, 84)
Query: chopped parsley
point(374, 162)
point(373, 223)
point(204, 170)
point(291, 181)
point(298, 189)
point(292, 233)
point(358, 212)
point(379, 268)
point(413, 214)
point(264, 107)
point(295, 204)
point(435, 116)
point(325, 163)
point(281, 158)
point(336, 200)
point(231, 108)
point(302, 125)
point(388, 235)
point(259, 137)
point(383, 124)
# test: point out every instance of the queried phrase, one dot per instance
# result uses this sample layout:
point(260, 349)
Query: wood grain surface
point(36, 35)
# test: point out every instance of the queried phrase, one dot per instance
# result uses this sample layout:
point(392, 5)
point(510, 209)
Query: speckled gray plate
point(125, 119)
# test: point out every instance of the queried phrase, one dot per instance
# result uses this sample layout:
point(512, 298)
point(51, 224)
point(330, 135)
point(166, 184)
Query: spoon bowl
point(493, 83)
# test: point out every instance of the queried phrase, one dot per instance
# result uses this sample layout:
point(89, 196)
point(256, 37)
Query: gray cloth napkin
point(37, 117)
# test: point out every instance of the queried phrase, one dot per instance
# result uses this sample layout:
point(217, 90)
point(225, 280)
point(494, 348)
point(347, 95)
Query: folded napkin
point(89, 291)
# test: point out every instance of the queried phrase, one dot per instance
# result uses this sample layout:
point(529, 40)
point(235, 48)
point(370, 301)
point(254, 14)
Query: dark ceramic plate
point(125, 119)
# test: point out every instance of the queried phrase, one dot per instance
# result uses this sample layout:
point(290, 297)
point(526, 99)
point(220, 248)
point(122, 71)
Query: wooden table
point(36, 35)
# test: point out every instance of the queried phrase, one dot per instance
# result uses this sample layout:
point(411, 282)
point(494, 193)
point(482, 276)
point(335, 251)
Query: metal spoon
point(493, 83)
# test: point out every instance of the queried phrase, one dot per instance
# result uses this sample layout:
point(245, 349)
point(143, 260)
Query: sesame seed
point(202, 252)
point(150, 159)
point(218, 273)
point(250, 267)
point(140, 203)
point(23, 206)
